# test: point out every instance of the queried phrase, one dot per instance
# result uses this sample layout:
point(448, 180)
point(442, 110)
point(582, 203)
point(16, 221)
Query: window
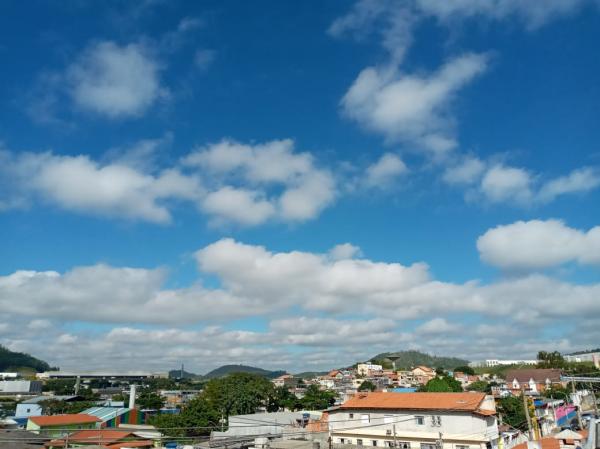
point(428, 446)
point(350, 415)
point(420, 420)
point(436, 421)
point(28, 410)
point(389, 443)
point(403, 444)
point(342, 441)
point(461, 446)
point(374, 442)
point(365, 419)
point(359, 442)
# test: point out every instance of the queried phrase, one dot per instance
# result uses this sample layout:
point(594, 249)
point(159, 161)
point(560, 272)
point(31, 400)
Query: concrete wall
point(27, 410)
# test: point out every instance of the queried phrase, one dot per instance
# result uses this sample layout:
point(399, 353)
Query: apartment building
point(368, 369)
point(415, 421)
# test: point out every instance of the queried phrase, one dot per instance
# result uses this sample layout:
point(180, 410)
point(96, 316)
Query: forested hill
point(14, 361)
point(228, 369)
point(409, 359)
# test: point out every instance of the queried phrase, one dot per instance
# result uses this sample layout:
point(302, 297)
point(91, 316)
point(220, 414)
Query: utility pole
point(440, 442)
point(67, 441)
point(394, 430)
point(594, 399)
point(577, 408)
point(526, 410)
point(500, 439)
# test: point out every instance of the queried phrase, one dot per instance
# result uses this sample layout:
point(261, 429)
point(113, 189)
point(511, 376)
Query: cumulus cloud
point(81, 184)
point(411, 108)
point(228, 181)
point(287, 185)
point(115, 81)
point(344, 251)
point(383, 172)
point(326, 311)
point(578, 181)
point(467, 171)
point(501, 184)
point(538, 244)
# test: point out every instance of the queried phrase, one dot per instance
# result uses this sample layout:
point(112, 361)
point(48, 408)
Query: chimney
point(132, 396)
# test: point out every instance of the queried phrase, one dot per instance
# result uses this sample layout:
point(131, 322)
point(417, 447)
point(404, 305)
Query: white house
point(416, 421)
point(368, 369)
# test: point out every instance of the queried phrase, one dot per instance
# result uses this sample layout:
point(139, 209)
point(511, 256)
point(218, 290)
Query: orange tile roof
point(141, 443)
point(545, 443)
point(94, 436)
point(416, 401)
point(57, 420)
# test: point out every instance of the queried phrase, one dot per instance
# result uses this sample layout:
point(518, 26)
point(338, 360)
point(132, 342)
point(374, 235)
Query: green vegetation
point(465, 369)
point(230, 369)
point(410, 359)
point(237, 394)
point(513, 412)
point(367, 385)
point(480, 385)
point(56, 407)
point(18, 361)
point(442, 384)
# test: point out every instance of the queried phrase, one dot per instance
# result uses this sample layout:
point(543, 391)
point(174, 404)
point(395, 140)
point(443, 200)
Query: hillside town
point(549, 402)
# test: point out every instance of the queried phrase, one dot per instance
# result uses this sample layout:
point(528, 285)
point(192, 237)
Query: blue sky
point(298, 185)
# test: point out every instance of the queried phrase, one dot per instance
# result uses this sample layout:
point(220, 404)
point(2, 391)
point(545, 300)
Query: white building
point(20, 387)
point(416, 421)
point(490, 363)
point(368, 369)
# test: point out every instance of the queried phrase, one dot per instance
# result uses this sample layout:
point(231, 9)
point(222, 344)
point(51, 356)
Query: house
point(416, 421)
point(422, 374)
point(368, 369)
point(272, 424)
point(174, 398)
point(57, 426)
point(19, 439)
point(114, 416)
point(109, 438)
point(13, 387)
point(286, 380)
point(533, 381)
point(33, 407)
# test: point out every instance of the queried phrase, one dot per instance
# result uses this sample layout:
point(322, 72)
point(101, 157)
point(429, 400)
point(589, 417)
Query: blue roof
point(106, 413)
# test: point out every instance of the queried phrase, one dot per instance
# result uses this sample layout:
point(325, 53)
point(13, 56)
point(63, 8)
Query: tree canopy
point(442, 384)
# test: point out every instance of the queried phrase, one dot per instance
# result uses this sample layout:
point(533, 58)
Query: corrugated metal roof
point(106, 413)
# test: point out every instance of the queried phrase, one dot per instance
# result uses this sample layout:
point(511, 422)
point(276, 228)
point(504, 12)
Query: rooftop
point(57, 420)
point(416, 401)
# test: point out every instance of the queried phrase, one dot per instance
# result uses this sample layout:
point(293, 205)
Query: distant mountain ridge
point(16, 361)
point(228, 369)
point(409, 359)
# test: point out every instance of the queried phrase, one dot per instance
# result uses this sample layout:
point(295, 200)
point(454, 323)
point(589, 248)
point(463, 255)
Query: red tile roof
point(58, 420)
point(416, 401)
point(545, 443)
point(538, 375)
point(94, 436)
point(141, 443)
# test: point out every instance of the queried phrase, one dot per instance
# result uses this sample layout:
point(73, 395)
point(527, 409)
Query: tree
point(550, 360)
point(480, 385)
point(442, 384)
point(283, 398)
point(465, 369)
point(239, 393)
point(367, 385)
point(513, 413)
point(149, 400)
point(317, 399)
point(57, 407)
point(557, 392)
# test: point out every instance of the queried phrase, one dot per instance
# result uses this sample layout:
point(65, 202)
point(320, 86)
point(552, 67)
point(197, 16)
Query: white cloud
point(303, 189)
point(538, 244)
point(411, 108)
point(533, 14)
point(80, 184)
point(327, 312)
point(580, 180)
point(238, 205)
point(344, 251)
point(115, 81)
point(501, 183)
point(383, 172)
point(467, 171)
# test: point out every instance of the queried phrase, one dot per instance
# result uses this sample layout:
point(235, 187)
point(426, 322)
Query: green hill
point(409, 359)
point(228, 369)
point(18, 361)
